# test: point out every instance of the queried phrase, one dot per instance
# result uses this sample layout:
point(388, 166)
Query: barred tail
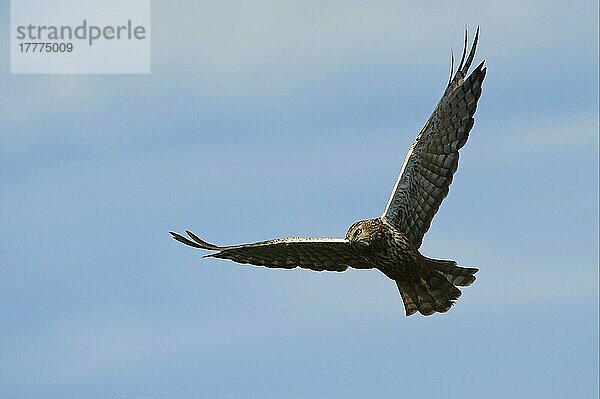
point(457, 275)
point(435, 291)
point(432, 293)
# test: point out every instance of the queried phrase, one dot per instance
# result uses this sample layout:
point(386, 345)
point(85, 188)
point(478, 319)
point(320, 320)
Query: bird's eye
point(357, 232)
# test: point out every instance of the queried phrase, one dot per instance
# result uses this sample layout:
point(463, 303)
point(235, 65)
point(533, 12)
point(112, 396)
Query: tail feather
point(435, 290)
point(457, 275)
point(433, 294)
point(407, 292)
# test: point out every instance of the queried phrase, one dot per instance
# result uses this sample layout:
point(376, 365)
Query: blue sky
point(266, 119)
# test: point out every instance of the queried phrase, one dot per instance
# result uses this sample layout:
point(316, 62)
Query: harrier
point(390, 242)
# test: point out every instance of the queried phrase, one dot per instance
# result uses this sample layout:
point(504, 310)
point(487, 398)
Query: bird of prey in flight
point(390, 242)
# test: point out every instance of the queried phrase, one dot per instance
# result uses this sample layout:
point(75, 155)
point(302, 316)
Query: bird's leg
point(424, 284)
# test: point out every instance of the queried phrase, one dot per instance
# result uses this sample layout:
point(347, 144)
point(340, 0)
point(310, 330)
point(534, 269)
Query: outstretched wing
point(433, 157)
point(320, 254)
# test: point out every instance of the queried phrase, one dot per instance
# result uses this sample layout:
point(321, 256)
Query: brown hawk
point(390, 243)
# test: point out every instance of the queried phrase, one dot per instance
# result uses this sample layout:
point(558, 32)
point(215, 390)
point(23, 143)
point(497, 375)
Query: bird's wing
point(433, 157)
point(320, 254)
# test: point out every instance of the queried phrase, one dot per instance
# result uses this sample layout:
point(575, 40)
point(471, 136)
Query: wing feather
point(320, 254)
point(432, 159)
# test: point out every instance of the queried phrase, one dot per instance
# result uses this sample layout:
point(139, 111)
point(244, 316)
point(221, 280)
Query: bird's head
point(364, 231)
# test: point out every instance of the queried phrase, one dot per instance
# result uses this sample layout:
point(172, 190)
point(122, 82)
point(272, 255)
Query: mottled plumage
point(390, 243)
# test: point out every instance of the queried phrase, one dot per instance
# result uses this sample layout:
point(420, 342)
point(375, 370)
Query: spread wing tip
point(466, 59)
point(480, 71)
point(195, 242)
